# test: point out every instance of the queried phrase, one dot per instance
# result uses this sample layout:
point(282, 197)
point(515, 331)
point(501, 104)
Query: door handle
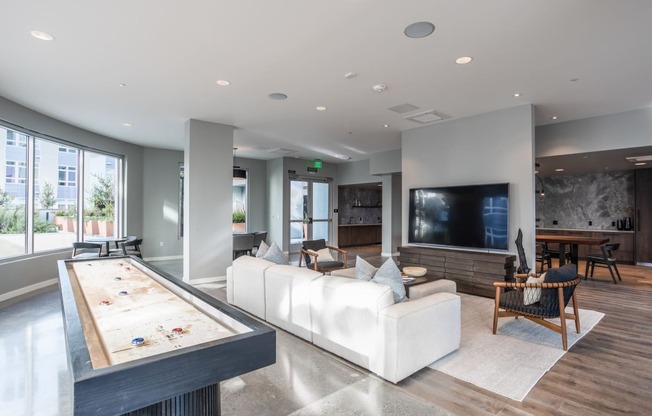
point(309, 220)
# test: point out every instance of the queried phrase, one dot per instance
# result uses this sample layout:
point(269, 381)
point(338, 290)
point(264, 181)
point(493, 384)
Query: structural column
point(208, 194)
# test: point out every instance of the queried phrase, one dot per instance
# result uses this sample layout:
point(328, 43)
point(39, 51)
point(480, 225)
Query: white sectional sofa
point(356, 320)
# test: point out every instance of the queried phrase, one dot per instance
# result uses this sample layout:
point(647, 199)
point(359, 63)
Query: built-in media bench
point(473, 272)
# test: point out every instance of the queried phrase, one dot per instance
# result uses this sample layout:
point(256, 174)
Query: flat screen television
point(475, 216)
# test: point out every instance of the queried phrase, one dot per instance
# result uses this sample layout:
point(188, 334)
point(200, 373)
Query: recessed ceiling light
point(350, 75)
point(463, 60)
point(517, 94)
point(223, 82)
point(379, 88)
point(385, 125)
point(122, 85)
point(321, 108)
point(640, 163)
point(343, 157)
point(574, 79)
point(277, 96)
point(554, 118)
point(419, 30)
point(559, 170)
point(127, 124)
point(41, 35)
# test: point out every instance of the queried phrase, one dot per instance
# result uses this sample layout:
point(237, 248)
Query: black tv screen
point(463, 216)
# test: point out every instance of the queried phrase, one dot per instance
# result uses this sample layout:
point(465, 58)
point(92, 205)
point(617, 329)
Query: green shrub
point(239, 216)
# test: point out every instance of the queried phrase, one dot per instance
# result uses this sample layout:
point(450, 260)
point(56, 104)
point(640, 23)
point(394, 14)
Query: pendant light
point(237, 172)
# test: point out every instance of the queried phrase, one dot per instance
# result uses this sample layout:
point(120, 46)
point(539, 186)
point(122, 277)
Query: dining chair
point(242, 244)
point(259, 237)
point(543, 257)
point(118, 251)
point(604, 259)
point(83, 250)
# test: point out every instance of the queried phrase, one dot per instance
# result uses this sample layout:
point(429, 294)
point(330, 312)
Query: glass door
point(310, 218)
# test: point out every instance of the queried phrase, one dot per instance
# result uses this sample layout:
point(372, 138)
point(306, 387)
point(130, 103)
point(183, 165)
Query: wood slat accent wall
point(473, 272)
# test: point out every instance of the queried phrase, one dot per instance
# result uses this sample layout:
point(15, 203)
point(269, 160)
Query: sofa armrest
point(414, 334)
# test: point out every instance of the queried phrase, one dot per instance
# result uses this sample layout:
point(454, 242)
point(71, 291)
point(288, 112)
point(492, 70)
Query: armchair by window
point(311, 257)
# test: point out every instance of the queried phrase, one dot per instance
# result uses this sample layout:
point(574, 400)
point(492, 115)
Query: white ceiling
point(170, 53)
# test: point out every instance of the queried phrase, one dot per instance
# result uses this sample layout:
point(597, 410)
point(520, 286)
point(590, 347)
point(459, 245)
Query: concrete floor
point(304, 381)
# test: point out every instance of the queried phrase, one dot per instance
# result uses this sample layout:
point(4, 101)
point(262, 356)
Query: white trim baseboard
point(179, 257)
point(27, 289)
point(203, 280)
point(388, 254)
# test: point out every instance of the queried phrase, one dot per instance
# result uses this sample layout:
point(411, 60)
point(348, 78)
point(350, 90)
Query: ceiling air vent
point(424, 118)
point(403, 108)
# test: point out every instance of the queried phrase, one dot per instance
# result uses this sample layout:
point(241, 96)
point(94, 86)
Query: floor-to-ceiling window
point(70, 191)
point(13, 192)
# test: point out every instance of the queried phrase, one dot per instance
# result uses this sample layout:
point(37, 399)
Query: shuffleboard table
point(141, 342)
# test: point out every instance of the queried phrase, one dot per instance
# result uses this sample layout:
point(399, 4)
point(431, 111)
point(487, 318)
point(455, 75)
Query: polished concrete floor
point(34, 379)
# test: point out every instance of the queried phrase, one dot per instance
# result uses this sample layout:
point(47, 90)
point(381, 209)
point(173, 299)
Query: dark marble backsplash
point(574, 200)
point(370, 211)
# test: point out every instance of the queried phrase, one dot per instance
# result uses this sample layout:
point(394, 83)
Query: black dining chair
point(543, 257)
point(83, 250)
point(604, 259)
point(243, 244)
point(118, 251)
point(259, 237)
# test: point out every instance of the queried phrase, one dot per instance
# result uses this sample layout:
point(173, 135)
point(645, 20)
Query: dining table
point(107, 241)
point(573, 241)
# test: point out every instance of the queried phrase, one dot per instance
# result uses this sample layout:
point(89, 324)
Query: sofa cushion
point(287, 298)
point(344, 315)
point(248, 279)
point(262, 249)
point(388, 274)
point(275, 255)
point(364, 270)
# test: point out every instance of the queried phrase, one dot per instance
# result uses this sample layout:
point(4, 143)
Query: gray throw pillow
point(388, 274)
point(275, 255)
point(364, 270)
point(262, 249)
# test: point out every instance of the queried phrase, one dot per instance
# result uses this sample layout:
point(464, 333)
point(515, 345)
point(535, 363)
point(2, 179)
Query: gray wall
point(161, 204)
point(17, 273)
point(256, 193)
point(351, 173)
point(496, 147)
point(614, 131)
point(574, 200)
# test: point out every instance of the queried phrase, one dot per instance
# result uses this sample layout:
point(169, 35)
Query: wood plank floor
point(608, 372)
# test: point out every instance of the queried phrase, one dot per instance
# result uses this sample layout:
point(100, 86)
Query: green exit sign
point(317, 163)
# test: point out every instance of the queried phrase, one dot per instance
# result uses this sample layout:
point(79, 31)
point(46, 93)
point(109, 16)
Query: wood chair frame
point(521, 285)
point(314, 257)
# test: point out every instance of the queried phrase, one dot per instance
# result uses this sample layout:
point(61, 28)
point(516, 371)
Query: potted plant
point(239, 220)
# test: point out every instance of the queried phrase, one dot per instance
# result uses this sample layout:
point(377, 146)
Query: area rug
point(511, 362)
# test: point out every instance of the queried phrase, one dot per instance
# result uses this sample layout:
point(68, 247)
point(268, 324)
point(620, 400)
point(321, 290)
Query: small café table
point(107, 241)
point(573, 241)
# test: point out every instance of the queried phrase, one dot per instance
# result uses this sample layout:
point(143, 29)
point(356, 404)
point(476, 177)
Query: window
point(67, 176)
point(16, 172)
point(13, 193)
point(53, 192)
